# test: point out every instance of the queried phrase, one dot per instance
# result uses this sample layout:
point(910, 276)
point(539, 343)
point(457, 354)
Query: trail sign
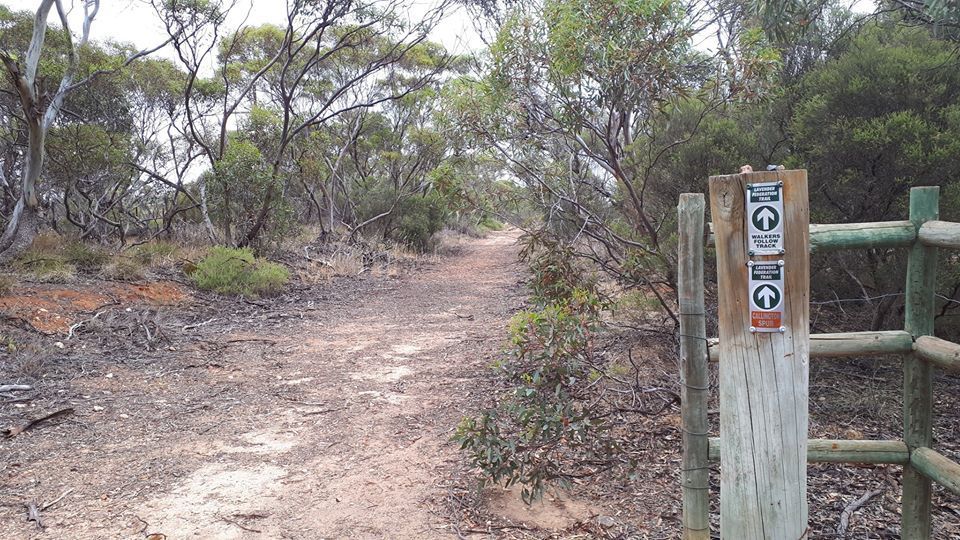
point(766, 296)
point(765, 218)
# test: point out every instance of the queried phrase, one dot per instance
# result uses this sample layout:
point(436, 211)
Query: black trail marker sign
point(765, 218)
point(766, 296)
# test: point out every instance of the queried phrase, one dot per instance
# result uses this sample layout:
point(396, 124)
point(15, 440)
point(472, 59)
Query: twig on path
point(198, 325)
point(850, 509)
point(241, 340)
point(324, 411)
point(15, 387)
point(232, 522)
point(16, 430)
point(44, 507)
point(76, 326)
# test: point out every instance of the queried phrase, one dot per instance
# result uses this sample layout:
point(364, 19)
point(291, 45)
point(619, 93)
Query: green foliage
point(420, 219)
point(55, 259)
point(46, 267)
point(151, 252)
point(867, 132)
point(238, 272)
point(84, 256)
point(544, 430)
point(241, 182)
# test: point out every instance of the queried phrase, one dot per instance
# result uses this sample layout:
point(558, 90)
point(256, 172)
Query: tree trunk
point(211, 232)
point(25, 220)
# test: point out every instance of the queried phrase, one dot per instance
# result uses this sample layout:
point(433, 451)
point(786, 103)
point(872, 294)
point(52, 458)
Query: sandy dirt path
point(330, 423)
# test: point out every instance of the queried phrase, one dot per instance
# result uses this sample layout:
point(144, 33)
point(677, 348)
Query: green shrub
point(237, 271)
point(420, 219)
point(549, 428)
point(85, 256)
point(490, 224)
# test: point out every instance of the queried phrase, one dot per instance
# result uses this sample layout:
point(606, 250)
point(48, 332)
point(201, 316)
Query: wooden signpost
point(763, 366)
point(763, 279)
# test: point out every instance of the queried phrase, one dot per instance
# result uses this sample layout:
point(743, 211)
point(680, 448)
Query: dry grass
point(27, 364)
point(123, 268)
point(448, 242)
point(6, 284)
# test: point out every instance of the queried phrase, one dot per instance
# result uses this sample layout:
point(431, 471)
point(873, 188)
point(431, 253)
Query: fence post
point(763, 376)
point(917, 373)
point(695, 378)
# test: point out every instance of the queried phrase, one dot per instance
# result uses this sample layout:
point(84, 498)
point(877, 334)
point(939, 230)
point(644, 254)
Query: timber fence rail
point(923, 234)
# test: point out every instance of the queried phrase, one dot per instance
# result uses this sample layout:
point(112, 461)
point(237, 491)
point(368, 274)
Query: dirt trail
point(332, 423)
point(376, 389)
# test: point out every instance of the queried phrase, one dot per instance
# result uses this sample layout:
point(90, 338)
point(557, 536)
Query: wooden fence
point(921, 352)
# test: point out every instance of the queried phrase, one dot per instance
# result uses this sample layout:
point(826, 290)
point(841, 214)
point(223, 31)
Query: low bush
point(421, 217)
point(237, 271)
point(85, 257)
point(46, 267)
point(6, 284)
point(153, 252)
point(548, 428)
point(124, 269)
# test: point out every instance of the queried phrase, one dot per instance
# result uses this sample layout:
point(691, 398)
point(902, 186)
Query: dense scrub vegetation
point(581, 123)
point(605, 111)
point(246, 137)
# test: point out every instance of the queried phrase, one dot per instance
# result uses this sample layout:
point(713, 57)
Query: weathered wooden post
point(917, 375)
point(695, 378)
point(764, 351)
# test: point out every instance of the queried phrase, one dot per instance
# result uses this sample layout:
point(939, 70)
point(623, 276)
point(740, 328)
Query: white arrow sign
point(766, 296)
point(764, 217)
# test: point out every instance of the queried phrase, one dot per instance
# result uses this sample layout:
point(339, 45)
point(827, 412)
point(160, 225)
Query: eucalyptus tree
point(326, 61)
point(41, 104)
point(574, 101)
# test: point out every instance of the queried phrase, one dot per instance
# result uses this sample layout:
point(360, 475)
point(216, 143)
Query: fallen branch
point(242, 340)
point(198, 325)
point(76, 326)
point(850, 509)
point(324, 411)
point(306, 253)
point(14, 387)
point(44, 507)
point(232, 522)
point(16, 430)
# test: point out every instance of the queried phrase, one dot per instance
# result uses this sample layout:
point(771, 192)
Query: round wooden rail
point(937, 467)
point(844, 451)
point(940, 234)
point(847, 344)
point(941, 353)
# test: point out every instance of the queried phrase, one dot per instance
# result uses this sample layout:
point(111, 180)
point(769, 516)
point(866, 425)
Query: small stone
point(59, 345)
point(606, 521)
point(109, 375)
point(97, 408)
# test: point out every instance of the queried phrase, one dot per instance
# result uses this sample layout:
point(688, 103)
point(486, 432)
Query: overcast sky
point(134, 21)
